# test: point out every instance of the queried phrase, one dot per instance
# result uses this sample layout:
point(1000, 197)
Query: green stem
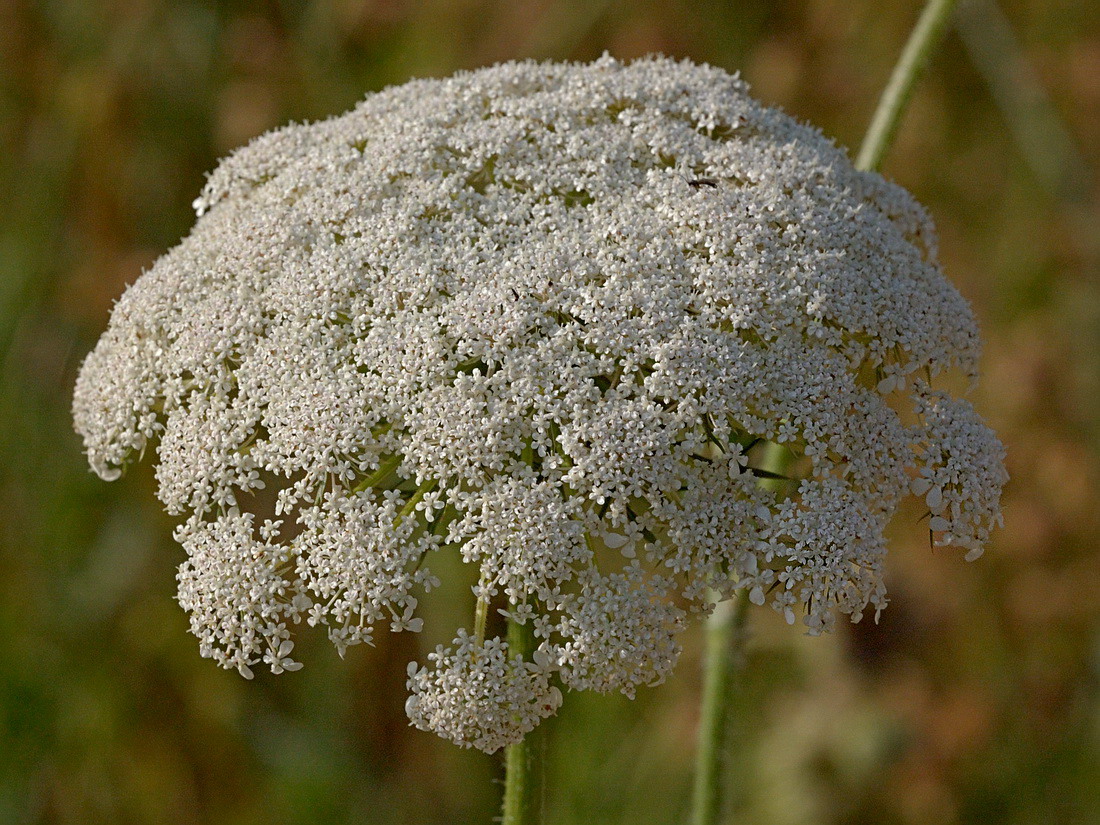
point(922, 42)
point(481, 614)
point(522, 761)
point(725, 643)
point(387, 468)
point(417, 497)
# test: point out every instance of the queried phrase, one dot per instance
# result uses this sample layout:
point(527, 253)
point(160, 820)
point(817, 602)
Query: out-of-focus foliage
point(977, 697)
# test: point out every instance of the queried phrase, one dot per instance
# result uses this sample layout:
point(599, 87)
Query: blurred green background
point(975, 700)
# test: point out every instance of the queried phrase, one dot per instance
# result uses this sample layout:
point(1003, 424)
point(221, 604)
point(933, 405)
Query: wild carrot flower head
point(617, 335)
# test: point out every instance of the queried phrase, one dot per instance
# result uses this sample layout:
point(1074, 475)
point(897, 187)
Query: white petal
point(935, 499)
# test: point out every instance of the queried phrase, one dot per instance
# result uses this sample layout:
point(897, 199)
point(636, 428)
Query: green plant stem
point(922, 42)
point(725, 644)
point(481, 617)
point(522, 761)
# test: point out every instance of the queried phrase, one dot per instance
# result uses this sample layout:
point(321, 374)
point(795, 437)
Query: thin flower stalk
point(924, 39)
point(725, 645)
point(523, 760)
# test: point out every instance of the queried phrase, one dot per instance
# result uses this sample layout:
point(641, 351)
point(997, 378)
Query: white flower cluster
point(477, 696)
point(961, 472)
point(617, 335)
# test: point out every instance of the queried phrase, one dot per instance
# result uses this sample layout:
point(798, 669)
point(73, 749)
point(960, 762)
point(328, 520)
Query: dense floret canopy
point(619, 336)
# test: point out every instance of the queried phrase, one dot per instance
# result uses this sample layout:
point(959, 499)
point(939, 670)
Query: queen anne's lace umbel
point(617, 335)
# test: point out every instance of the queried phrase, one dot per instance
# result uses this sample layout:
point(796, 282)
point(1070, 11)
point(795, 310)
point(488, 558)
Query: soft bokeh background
point(975, 700)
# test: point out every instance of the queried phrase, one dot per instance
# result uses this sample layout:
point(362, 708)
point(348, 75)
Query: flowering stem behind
point(725, 642)
point(924, 39)
point(523, 760)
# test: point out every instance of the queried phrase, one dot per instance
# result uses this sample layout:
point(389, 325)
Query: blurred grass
point(977, 698)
